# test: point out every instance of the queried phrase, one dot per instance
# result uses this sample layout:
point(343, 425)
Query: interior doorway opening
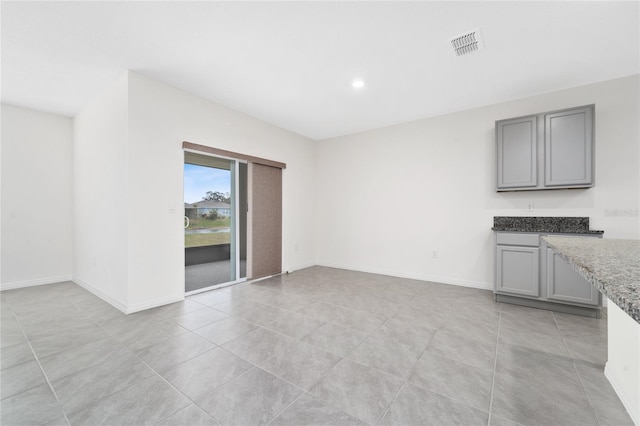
point(215, 222)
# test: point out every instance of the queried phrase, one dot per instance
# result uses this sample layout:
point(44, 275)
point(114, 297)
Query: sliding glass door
point(215, 222)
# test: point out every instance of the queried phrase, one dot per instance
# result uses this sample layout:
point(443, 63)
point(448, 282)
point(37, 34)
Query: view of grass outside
point(207, 205)
point(207, 232)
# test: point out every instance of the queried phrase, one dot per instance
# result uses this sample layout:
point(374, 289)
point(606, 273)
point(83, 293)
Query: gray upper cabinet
point(566, 285)
point(568, 147)
point(551, 150)
point(517, 164)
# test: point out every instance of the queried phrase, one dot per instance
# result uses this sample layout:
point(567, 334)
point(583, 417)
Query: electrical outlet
point(530, 207)
point(434, 254)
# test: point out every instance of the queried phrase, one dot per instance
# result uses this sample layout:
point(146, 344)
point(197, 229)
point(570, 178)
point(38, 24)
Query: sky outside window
point(199, 179)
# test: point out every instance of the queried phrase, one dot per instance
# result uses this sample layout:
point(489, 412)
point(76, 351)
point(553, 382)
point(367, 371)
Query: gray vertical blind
point(264, 233)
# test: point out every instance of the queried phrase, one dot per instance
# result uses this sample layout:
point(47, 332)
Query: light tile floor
point(320, 346)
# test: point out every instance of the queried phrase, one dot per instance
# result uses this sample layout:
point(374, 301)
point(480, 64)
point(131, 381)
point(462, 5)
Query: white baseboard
point(297, 268)
point(154, 303)
point(31, 283)
point(126, 308)
point(632, 407)
point(121, 306)
point(420, 277)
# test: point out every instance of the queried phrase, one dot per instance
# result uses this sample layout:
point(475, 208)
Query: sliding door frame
point(235, 220)
point(251, 161)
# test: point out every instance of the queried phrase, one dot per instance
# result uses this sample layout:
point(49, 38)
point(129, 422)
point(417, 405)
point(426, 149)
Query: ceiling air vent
point(466, 43)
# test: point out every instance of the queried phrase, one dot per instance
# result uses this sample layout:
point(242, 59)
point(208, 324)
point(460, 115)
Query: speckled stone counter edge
point(542, 231)
point(543, 224)
point(633, 310)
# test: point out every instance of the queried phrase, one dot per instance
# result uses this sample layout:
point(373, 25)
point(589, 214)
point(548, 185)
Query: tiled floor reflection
point(319, 346)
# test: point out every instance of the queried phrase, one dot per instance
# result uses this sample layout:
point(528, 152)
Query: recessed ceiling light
point(357, 83)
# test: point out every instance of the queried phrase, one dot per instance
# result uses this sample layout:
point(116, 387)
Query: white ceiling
point(292, 63)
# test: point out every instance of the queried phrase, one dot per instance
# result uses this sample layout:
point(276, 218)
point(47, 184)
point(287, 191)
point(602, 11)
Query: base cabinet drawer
point(566, 285)
point(518, 270)
point(517, 239)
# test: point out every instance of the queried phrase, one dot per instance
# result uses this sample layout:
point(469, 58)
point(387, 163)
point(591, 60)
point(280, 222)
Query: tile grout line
point(285, 408)
point(447, 396)
point(495, 364)
point(341, 360)
point(46, 378)
point(218, 387)
point(193, 401)
point(406, 379)
point(254, 365)
point(368, 334)
point(330, 403)
point(575, 369)
point(300, 341)
point(146, 364)
point(386, 411)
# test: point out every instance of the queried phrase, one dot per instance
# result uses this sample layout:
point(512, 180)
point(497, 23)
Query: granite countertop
point(543, 231)
point(612, 266)
point(546, 225)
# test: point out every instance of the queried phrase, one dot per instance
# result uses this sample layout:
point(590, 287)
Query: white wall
point(437, 176)
point(100, 195)
point(623, 361)
point(125, 153)
point(160, 119)
point(36, 198)
point(378, 201)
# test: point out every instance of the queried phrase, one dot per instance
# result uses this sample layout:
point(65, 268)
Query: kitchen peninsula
point(613, 267)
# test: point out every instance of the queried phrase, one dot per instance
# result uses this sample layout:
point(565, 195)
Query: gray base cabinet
point(551, 150)
point(564, 284)
point(517, 270)
point(526, 268)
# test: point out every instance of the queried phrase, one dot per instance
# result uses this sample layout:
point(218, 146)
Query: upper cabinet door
point(568, 147)
point(517, 147)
